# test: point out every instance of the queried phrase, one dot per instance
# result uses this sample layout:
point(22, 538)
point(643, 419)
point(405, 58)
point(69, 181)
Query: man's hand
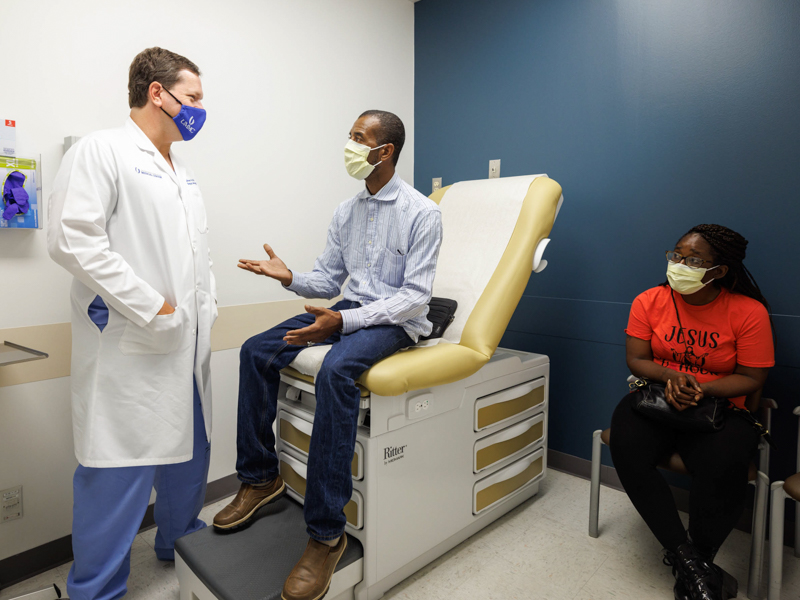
point(328, 322)
point(166, 309)
point(274, 267)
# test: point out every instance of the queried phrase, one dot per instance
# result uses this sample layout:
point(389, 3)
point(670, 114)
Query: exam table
point(452, 432)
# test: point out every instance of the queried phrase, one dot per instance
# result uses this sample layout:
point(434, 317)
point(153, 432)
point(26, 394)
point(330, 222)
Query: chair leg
point(594, 497)
point(763, 457)
point(797, 529)
point(758, 536)
point(776, 541)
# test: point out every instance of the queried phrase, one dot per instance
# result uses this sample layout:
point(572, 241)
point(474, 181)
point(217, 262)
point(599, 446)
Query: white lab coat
point(134, 232)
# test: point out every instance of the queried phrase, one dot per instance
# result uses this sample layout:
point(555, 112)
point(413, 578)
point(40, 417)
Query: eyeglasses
point(695, 262)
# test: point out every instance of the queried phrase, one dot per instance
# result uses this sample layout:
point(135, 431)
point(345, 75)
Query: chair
point(780, 491)
point(757, 476)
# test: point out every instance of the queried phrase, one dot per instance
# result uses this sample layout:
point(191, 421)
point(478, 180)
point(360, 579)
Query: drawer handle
point(507, 404)
point(293, 479)
point(297, 482)
point(510, 394)
point(506, 445)
point(517, 478)
point(294, 436)
point(298, 423)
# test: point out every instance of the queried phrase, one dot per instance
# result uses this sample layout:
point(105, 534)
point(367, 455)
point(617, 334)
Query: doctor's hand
point(327, 323)
point(166, 309)
point(274, 267)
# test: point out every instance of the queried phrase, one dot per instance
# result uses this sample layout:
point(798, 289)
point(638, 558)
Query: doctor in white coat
point(127, 220)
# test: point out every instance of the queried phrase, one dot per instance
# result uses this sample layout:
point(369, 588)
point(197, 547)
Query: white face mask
point(355, 159)
point(686, 280)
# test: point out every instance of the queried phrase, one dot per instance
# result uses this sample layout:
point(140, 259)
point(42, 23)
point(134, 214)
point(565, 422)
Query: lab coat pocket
point(162, 335)
point(393, 268)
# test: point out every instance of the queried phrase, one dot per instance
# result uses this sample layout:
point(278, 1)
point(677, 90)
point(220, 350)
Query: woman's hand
point(682, 390)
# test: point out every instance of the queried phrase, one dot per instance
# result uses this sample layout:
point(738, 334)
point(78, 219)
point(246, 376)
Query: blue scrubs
point(109, 505)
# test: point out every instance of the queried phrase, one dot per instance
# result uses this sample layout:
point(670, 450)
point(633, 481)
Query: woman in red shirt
point(706, 332)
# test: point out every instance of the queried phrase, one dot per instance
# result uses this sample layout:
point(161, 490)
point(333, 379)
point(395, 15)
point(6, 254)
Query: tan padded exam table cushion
point(491, 230)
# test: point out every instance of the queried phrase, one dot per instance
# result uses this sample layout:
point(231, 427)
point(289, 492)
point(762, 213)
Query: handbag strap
point(750, 418)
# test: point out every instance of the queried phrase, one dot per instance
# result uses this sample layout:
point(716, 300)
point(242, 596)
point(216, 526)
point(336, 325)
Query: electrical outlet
point(11, 504)
point(494, 169)
point(437, 183)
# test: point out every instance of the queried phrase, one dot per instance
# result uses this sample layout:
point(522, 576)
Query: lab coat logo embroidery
point(393, 453)
point(143, 172)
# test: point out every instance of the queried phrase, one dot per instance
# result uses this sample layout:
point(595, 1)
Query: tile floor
point(540, 550)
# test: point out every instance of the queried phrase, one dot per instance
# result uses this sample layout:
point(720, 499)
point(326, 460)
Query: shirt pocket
point(393, 268)
point(162, 335)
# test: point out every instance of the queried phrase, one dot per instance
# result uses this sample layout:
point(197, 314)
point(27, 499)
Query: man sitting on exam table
point(386, 239)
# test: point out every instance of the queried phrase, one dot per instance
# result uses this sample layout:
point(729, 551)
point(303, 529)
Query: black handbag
point(649, 400)
point(441, 312)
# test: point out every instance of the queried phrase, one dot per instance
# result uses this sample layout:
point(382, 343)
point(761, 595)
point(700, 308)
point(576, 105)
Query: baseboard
point(30, 563)
point(582, 467)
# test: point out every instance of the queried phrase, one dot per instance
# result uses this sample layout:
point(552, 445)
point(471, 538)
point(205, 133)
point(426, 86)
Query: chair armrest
point(419, 368)
point(769, 403)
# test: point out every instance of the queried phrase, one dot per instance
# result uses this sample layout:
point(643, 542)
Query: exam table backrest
point(491, 230)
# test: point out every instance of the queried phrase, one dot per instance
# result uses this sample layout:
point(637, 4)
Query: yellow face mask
point(355, 159)
point(686, 280)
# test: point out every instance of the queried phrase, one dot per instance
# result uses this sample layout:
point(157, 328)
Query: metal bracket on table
point(11, 354)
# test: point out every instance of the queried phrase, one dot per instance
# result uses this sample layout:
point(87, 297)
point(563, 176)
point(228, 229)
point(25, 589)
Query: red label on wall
point(10, 123)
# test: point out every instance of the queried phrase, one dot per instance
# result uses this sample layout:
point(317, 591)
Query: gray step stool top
point(253, 563)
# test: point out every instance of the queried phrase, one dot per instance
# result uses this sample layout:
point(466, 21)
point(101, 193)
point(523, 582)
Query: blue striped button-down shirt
point(388, 245)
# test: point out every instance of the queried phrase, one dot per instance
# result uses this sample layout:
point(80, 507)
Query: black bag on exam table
point(441, 313)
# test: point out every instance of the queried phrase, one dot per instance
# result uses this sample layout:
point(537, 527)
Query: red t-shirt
point(733, 329)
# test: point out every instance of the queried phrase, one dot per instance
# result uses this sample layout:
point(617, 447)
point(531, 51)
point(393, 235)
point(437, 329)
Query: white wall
point(283, 83)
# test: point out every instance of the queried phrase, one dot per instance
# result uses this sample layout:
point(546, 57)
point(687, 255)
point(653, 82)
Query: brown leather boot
point(311, 576)
point(249, 499)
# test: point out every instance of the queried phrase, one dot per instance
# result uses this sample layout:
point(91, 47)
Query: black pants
point(718, 463)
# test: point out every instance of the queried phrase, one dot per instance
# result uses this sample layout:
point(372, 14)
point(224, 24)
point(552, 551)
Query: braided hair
point(729, 248)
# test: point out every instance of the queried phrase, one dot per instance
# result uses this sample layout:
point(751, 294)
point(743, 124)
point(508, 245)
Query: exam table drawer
point(508, 443)
point(293, 473)
point(507, 481)
point(510, 403)
point(296, 432)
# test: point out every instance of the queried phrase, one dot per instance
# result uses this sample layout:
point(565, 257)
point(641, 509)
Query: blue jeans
point(329, 485)
point(109, 504)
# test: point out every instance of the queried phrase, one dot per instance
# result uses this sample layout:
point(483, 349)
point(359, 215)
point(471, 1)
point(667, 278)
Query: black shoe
point(698, 579)
point(680, 590)
point(680, 586)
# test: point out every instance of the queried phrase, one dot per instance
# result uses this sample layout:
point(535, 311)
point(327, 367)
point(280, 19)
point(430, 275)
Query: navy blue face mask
point(189, 120)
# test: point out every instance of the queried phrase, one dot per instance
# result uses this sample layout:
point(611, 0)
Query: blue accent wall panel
point(654, 117)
